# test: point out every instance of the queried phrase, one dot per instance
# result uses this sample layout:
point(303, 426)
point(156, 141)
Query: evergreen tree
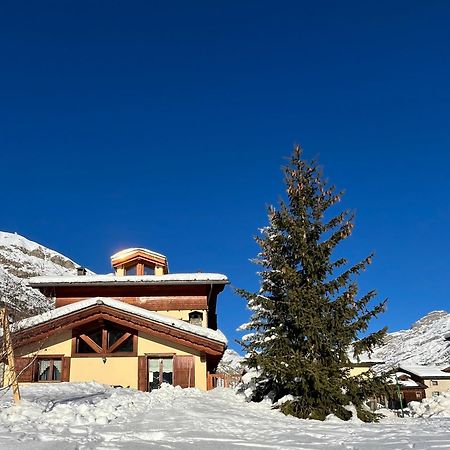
point(307, 317)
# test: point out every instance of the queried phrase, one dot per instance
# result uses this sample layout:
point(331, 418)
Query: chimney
point(81, 271)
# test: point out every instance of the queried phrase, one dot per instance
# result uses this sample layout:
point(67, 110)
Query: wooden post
point(10, 354)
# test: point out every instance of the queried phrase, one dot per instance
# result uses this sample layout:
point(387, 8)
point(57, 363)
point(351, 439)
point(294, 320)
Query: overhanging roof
point(135, 280)
point(77, 314)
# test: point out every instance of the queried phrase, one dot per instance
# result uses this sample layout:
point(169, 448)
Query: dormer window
point(139, 261)
point(196, 318)
point(149, 270)
point(131, 270)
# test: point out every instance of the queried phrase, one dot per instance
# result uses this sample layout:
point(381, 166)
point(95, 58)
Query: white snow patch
point(89, 415)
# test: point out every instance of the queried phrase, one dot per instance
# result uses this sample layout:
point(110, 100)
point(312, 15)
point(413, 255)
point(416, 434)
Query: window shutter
point(142, 373)
point(65, 375)
point(24, 369)
point(183, 371)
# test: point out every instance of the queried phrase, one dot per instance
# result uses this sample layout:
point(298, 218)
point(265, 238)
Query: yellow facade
point(119, 371)
point(114, 370)
point(184, 315)
point(358, 370)
point(441, 386)
point(149, 344)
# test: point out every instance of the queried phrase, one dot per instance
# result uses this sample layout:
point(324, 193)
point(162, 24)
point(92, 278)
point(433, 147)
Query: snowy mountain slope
point(21, 258)
point(423, 344)
point(231, 363)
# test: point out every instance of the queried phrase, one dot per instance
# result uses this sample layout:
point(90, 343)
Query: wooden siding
point(183, 371)
point(150, 303)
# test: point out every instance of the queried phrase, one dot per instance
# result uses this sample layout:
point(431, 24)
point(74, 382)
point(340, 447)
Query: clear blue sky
point(164, 124)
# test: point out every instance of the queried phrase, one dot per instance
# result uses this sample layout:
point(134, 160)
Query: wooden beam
point(119, 342)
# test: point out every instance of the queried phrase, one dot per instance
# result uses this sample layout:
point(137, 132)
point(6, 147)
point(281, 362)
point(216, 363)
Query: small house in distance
point(433, 379)
point(139, 327)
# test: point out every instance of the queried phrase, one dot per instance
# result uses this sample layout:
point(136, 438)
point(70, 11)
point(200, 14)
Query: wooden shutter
point(183, 371)
point(65, 375)
point(142, 373)
point(24, 369)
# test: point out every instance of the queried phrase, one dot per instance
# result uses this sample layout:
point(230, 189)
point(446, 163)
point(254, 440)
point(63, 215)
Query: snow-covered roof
point(215, 335)
point(127, 251)
point(173, 278)
point(363, 358)
point(400, 378)
point(425, 371)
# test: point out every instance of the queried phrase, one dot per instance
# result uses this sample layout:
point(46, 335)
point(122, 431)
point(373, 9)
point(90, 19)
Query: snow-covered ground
point(93, 416)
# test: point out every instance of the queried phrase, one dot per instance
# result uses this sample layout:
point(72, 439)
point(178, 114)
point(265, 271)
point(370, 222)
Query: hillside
point(423, 343)
point(21, 258)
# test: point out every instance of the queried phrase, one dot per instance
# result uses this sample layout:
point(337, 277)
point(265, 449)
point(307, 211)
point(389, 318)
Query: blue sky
point(165, 124)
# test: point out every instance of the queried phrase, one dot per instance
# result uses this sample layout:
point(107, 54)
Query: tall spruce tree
point(308, 318)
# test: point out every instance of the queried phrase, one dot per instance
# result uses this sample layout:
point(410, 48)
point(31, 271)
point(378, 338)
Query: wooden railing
point(222, 380)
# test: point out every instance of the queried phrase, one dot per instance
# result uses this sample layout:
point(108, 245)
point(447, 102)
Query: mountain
point(231, 363)
point(21, 258)
point(422, 344)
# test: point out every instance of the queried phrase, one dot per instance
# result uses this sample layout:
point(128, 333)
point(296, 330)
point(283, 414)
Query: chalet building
point(433, 379)
point(410, 390)
point(139, 327)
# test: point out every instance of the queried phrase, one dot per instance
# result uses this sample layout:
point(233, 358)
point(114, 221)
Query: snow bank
point(93, 416)
point(432, 407)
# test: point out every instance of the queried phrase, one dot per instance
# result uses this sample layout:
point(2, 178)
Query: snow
point(403, 379)
point(173, 278)
point(65, 416)
point(425, 371)
point(231, 362)
point(128, 251)
point(423, 344)
point(215, 335)
point(438, 406)
point(21, 258)
point(24, 258)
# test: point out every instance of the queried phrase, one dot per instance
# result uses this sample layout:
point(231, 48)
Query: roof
point(57, 313)
point(425, 371)
point(142, 280)
point(364, 359)
point(129, 251)
point(408, 383)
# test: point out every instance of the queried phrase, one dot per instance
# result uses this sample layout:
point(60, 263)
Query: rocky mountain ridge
point(21, 258)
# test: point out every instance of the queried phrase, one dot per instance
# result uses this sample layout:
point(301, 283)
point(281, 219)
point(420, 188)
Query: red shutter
point(142, 373)
point(24, 369)
point(183, 371)
point(65, 375)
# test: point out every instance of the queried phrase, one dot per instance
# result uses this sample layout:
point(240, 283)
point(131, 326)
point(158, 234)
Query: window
point(105, 339)
point(435, 394)
point(196, 318)
point(418, 394)
point(131, 270)
point(149, 270)
point(434, 383)
point(160, 370)
point(48, 370)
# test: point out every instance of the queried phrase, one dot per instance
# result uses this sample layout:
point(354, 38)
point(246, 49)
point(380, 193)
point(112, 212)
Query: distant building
point(433, 378)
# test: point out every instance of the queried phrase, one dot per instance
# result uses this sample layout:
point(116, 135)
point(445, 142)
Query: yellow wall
point(58, 344)
point(442, 386)
point(150, 344)
point(184, 315)
point(355, 371)
point(116, 370)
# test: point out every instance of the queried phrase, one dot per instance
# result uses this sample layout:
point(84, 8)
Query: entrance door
point(160, 370)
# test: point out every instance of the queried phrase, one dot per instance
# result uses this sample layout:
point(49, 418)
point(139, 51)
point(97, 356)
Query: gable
point(99, 311)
